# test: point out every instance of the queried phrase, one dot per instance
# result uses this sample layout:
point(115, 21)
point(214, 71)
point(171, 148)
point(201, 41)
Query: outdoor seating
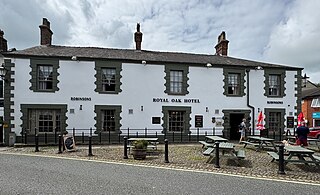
point(297, 154)
point(260, 143)
point(205, 144)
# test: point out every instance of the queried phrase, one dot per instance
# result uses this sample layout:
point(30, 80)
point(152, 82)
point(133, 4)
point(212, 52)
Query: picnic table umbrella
point(260, 125)
point(300, 118)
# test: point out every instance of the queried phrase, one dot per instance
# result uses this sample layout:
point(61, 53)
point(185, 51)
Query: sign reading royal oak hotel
point(177, 100)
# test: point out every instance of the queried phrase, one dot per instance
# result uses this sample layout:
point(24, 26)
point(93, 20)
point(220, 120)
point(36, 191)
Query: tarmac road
point(20, 174)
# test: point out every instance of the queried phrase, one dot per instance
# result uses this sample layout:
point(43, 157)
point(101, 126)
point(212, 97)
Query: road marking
point(168, 168)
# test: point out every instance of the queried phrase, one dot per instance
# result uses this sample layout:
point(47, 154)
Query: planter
point(139, 154)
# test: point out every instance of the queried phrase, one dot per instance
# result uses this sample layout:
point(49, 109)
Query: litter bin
point(12, 138)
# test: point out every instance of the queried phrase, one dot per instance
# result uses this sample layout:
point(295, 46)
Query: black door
point(1, 130)
point(235, 120)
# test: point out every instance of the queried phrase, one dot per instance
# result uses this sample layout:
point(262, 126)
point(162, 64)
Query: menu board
point(198, 121)
point(290, 122)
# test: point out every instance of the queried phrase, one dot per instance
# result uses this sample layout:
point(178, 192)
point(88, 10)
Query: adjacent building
point(51, 88)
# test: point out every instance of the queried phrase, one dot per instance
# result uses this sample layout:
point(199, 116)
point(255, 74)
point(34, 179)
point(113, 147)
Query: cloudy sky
point(277, 31)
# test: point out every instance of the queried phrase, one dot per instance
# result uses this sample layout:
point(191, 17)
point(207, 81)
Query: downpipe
point(248, 102)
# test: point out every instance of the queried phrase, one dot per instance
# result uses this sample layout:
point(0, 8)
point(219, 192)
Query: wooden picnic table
point(227, 148)
point(292, 140)
point(214, 138)
point(301, 155)
point(259, 142)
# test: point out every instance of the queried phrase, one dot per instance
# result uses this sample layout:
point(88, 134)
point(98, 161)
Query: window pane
point(44, 120)
point(274, 85)
point(45, 79)
point(274, 121)
point(108, 120)
point(176, 121)
point(315, 102)
point(176, 79)
point(108, 79)
point(233, 84)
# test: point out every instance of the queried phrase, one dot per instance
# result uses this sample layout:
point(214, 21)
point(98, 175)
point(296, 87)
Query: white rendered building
point(51, 88)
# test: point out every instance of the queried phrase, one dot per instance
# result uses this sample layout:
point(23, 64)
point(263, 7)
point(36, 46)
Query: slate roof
point(310, 93)
point(135, 55)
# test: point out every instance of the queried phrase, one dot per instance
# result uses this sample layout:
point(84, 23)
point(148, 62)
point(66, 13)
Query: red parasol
point(300, 118)
point(260, 122)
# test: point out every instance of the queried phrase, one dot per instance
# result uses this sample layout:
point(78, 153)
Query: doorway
point(235, 120)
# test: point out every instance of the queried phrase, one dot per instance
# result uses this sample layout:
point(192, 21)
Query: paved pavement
point(21, 174)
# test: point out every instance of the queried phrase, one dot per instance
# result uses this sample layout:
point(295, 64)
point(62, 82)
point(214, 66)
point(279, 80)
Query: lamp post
point(2, 75)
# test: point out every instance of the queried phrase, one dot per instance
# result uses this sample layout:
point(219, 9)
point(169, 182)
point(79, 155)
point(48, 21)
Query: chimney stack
point(222, 45)
point(3, 42)
point(45, 32)
point(138, 37)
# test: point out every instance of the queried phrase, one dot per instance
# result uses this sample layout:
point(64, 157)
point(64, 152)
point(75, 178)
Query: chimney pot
point(138, 37)
point(45, 32)
point(3, 42)
point(222, 45)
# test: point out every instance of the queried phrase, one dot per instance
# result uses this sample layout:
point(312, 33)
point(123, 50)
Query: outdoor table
point(215, 138)
point(260, 142)
point(292, 140)
point(226, 148)
point(301, 153)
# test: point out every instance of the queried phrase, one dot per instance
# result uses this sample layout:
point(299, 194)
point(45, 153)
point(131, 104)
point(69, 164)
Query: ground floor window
point(44, 118)
point(316, 123)
point(274, 121)
point(107, 118)
point(176, 118)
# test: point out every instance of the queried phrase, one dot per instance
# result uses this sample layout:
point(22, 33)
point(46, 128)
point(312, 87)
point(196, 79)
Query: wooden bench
point(205, 144)
point(274, 155)
point(208, 151)
point(249, 143)
point(316, 157)
point(241, 154)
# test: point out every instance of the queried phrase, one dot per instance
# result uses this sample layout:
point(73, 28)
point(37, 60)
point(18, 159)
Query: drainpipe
point(248, 101)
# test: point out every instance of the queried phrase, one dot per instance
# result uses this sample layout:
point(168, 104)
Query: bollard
point(25, 137)
point(125, 147)
point(45, 138)
point(281, 160)
point(90, 146)
point(166, 151)
point(37, 143)
point(216, 164)
point(60, 144)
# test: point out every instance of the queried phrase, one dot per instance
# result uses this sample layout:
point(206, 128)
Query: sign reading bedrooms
point(80, 98)
point(176, 100)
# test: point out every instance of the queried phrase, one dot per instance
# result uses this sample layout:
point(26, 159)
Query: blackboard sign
point(69, 143)
point(290, 122)
point(198, 121)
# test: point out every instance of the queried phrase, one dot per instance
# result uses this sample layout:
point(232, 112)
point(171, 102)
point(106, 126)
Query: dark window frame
point(35, 63)
point(99, 66)
point(99, 109)
point(179, 68)
point(279, 72)
point(241, 81)
point(187, 117)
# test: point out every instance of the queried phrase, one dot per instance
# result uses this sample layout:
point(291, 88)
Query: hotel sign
point(176, 100)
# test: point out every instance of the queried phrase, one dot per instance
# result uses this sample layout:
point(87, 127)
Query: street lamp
point(3, 72)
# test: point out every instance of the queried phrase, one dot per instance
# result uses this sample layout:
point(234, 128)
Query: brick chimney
point(222, 45)
point(45, 32)
point(138, 37)
point(3, 42)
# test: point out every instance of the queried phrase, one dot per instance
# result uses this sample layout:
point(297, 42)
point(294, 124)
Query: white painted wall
point(140, 84)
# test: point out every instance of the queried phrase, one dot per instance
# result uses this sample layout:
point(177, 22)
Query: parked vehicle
point(314, 132)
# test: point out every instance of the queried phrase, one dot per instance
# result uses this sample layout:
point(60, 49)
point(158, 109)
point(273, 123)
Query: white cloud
point(274, 31)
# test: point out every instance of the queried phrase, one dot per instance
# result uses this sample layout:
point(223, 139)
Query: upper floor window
point(108, 77)
point(176, 79)
point(45, 78)
point(274, 83)
point(315, 102)
point(44, 75)
point(233, 84)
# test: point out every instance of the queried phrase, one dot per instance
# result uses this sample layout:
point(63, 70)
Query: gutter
point(248, 101)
